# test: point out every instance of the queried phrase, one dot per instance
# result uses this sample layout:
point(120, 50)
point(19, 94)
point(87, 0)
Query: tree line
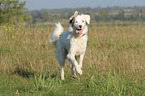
point(13, 11)
point(98, 14)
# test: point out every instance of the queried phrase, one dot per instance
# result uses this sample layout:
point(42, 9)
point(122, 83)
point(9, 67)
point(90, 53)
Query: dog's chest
point(78, 46)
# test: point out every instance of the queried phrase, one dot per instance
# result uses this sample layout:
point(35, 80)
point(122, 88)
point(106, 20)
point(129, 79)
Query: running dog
point(71, 44)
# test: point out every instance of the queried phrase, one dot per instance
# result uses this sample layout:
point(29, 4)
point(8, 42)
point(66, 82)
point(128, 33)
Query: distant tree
point(11, 11)
point(121, 15)
point(55, 14)
point(92, 15)
point(34, 15)
point(44, 15)
point(102, 15)
point(140, 15)
point(28, 18)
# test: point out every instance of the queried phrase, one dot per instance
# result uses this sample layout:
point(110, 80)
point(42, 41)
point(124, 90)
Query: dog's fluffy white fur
point(71, 44)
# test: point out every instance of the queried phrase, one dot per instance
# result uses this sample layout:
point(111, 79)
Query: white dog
point(71, 44)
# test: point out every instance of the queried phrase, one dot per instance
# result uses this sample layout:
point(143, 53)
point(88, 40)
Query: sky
point(55, 4)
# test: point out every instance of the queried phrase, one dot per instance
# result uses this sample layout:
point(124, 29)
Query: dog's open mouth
point(79, 31)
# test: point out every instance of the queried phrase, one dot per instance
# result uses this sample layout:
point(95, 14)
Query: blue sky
point(53, 4)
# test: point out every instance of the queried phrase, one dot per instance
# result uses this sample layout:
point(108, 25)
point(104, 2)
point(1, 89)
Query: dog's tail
point(56, 33)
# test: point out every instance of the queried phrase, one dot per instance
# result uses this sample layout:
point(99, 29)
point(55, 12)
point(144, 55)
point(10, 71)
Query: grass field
point(114, 63)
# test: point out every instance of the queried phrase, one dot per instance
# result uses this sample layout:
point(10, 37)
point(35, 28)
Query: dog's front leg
point(81, 60)
point(71, 58)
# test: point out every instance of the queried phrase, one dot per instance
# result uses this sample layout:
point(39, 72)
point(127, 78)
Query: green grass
point(113, 63)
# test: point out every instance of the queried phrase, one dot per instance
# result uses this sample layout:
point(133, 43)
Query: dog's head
point(79, 23)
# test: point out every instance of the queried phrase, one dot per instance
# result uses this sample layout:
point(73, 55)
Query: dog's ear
point(87, 18)
point(72, 17)
point(71, 21)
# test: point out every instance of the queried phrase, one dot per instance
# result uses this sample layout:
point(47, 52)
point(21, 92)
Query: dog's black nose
point(80, 26)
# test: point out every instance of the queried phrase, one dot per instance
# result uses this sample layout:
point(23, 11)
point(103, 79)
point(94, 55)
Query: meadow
point(114, 63)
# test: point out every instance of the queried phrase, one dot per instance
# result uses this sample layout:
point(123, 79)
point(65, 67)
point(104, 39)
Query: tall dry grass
point(113, 65)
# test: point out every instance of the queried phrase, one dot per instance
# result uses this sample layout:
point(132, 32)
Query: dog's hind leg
point(62, 73)
point(61, 56)
point(61, 61)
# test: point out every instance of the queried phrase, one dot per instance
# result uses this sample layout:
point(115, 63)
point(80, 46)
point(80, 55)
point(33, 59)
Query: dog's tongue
point(79, 31)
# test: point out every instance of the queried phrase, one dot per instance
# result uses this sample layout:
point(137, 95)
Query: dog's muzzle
point(79, 31)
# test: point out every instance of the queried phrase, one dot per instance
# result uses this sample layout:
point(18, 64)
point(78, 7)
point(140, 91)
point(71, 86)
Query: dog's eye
point(76, 21)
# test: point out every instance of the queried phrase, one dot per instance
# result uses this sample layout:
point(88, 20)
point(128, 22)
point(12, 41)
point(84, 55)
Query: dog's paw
point(74, 76)
point(62, 79)
point(79, 70)
point(81, 73)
